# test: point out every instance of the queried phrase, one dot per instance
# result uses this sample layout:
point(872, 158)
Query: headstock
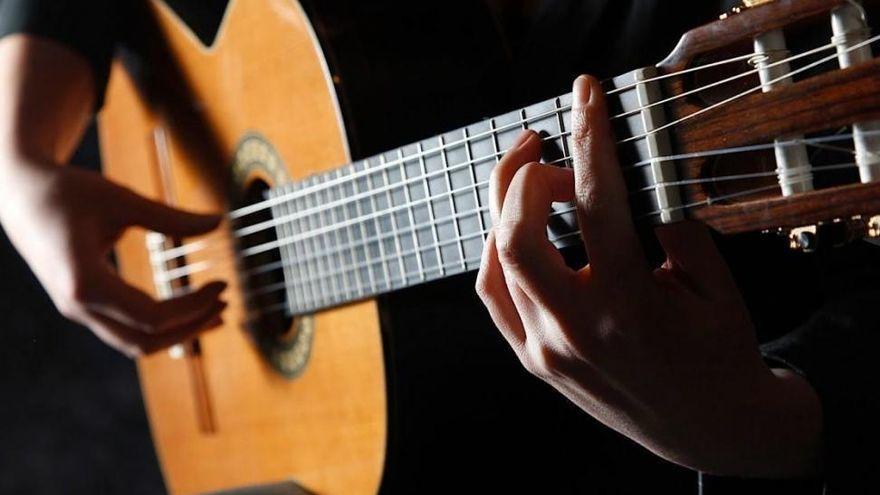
point(773, 114)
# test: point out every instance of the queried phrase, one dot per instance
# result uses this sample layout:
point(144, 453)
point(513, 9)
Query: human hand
point(64, 221)
point(666, 356)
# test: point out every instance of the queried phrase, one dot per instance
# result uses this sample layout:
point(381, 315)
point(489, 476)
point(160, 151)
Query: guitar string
point(203, 265)
point(238, 213)
point(329, 300)
point(202, 244)
point(351, 268)
point(174, 253)
point(372, 171)
point(755, 89)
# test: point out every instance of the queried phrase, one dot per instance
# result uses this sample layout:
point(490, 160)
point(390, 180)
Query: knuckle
point(530, 172)
point(482, 287)
point(511, 251)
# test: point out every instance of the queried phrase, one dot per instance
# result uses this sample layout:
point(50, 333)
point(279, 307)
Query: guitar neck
point(420, 212)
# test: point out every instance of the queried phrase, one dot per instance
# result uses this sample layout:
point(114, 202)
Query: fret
point(431, 258)
point(291, 267)
point(375, 249)
point(412, 238)
point(561, 126)
point(453, 156)
point(282, 231)
point(360, 249)
point(411, 215)
point(322, 197)
point(310, 246)
point(394, 244)
point(301, 251)
point(349, 235)
point(335, 194)
point(470, 250)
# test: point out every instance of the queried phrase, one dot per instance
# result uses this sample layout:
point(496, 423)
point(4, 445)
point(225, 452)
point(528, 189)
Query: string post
point(794, 171)
point(850, 28)
point(638, 93)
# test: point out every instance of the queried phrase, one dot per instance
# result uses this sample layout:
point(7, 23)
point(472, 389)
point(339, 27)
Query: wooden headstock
point(787, 136)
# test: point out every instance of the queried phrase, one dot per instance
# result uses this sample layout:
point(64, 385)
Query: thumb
point(159, 217)
point(691, 252)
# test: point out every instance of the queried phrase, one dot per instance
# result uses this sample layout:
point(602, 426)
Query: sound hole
point(262, 277)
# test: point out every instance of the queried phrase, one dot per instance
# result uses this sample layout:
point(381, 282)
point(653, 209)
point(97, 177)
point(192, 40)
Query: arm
point(668, 356)
point(64, 220)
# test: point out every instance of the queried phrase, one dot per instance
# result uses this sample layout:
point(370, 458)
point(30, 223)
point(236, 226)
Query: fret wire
point(281, 231)
point(353, 222)
point(300, 250)
point(372, 287)
point(560, 122)
point(393, 219)
point(346, 289)
point(247, 210)
point(430, 208)
point(251, 229)
point(477, 202)
point(337, 291)
point(378, 225)
point(299, 267)
point(412, 219)
point(494, 137)
point(318, 224)
point(350, 226)
point(444, 158)
point(480, 234)
point(483, 209)
point(312, 245)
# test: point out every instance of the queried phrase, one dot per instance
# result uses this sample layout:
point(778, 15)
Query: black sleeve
point(89, 27)
point(836, 351)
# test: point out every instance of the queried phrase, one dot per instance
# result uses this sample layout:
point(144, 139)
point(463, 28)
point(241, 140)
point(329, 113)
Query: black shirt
point(826, 307)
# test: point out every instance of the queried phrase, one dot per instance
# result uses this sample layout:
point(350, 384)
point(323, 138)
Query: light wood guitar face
point(326, 428)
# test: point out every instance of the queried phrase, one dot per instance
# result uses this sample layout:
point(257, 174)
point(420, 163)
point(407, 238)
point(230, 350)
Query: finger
point(134, 343)
point(602, 199)
point(114, 298)
point(492, 289)
point(527, 257)
point(527, 148)
point(159, 217)
point(691, 252)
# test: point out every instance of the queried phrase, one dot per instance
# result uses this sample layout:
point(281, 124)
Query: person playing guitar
point(666, 355)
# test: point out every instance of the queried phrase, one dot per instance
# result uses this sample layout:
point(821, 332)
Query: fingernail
point(582, 90)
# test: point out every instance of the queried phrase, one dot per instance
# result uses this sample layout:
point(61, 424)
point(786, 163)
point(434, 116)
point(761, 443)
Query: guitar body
point(326, 428)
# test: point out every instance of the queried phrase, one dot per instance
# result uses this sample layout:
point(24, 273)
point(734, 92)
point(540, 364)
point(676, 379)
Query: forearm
point(46, 101)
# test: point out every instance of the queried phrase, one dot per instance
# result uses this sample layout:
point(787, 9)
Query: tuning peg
point(746, 4)
point(803, 238)
point(873, 227)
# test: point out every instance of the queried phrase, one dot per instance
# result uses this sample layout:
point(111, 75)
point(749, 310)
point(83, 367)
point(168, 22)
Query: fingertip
point(582, 89)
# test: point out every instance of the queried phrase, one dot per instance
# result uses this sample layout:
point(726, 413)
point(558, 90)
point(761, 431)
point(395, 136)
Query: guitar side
point(326, 428)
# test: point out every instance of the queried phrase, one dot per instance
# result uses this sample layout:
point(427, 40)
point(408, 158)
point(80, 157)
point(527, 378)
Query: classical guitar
point(734, 129)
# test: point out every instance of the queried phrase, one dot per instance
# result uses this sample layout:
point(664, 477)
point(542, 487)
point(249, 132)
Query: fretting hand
point(666, 356)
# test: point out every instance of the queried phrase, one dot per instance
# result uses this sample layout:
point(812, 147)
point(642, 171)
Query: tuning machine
point(833, 233)
point(745, 5)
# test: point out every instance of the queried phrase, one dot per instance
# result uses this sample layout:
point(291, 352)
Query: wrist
point(773, 431)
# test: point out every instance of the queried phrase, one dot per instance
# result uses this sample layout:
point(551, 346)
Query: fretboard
point(417, 213)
